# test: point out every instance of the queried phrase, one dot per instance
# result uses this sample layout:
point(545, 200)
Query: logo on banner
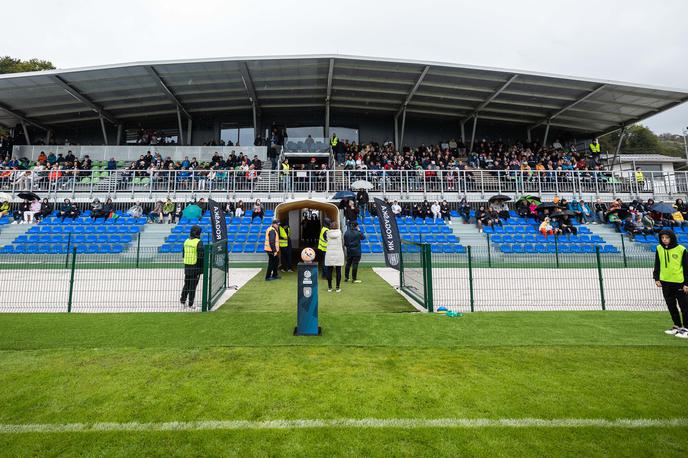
point(393, 259)
point(307, 292)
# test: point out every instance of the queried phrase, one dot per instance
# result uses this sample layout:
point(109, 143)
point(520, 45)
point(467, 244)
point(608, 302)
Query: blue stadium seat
point(237, 248)
point(506, 249)
point(250, 248)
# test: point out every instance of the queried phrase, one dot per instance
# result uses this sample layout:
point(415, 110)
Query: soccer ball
point(308, 254)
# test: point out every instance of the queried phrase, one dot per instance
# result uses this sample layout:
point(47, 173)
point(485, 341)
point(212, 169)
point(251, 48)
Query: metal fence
point(483, 279)
point(274, 183)
point(415, 277)
point(140, 280)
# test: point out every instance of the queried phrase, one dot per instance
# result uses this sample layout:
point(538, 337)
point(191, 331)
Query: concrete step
point(153, 235)
point(9, 232)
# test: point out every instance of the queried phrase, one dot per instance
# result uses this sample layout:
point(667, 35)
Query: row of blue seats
point(62, 248)
point(4, 220)
point(230, 229)
point(98, 221)
point(412, 229)
point(78, 238)
point(653, 239)
point(419, 238)
point(524, 230)
point(366, 248)
point(539, 238)
point(83, 230)
point(550, 248)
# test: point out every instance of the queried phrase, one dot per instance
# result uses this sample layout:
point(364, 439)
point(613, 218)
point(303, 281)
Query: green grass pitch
point(377, 359)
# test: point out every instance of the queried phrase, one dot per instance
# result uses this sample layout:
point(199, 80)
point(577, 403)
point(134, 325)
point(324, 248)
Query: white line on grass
point(407, 423)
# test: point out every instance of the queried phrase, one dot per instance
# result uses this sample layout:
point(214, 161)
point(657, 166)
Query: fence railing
point(139, 280)
point(141, 183)
point(486, 280)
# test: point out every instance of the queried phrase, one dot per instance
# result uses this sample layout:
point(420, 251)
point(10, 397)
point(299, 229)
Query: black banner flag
point(219, 228)
point(391, 240)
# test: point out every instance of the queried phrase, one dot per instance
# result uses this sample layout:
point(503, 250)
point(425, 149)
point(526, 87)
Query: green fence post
point(623, 251)
point(204, 294)
point(138, 250)
point(489, 254)
point(470, 277)
point(71, 281)
point(69, 243)
point(427, 252)
point(599, 274)
point(556, 248)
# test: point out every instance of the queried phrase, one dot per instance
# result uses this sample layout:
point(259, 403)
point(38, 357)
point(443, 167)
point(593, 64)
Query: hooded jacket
point(665, 263)
point(335, 251)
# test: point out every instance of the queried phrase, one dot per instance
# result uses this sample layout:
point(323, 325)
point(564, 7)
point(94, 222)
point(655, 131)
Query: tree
point(641, 140)
point(11, 65)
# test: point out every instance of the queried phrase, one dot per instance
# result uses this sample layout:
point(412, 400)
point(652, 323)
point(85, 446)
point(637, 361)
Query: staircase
point(468, 234)
point(152, 236)
point(609, 234)
point(9, 232)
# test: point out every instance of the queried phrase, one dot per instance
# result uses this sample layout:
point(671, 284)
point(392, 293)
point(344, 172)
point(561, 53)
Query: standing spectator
point(396, 209)
point(334, 258)
point(670, 274)
point(193, 265)
point(350, 213)
point(362, 199)
point(352, 241)
point(168, 211)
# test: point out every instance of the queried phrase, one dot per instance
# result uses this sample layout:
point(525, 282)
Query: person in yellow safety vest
point(640, 178)
point(193, 265)
point(285, 246)
point(595, 147)
point(322, 246)
point(334, 141)
point(272, 249)
point(670, 274)
point(285, 169)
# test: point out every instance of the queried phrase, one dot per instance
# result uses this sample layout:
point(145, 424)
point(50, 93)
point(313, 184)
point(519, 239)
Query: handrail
point(435, 184)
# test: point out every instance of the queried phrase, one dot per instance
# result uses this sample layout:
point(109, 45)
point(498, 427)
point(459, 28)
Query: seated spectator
point(396, 208)
point(546, 227)
point(155, 215)
point(436, 211)
point(586, 214)
point(68, 210)
point(634, 226)
point(677, 219)
point(136, 210)
point(445, 211)
point(108, 209)
point(46, 209)
point(258, 210)
point(29, 209)
point(4, 208)
point(566, 227)
point(96, 209)
point(501, 208)
point(239, 209)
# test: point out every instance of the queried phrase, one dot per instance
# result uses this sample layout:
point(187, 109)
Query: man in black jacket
point(352, 242)
point(193, 265)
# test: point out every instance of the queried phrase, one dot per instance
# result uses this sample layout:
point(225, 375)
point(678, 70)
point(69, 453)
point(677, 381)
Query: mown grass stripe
point(406, 423)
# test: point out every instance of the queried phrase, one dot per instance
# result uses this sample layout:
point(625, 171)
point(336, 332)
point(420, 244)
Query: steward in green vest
point(285, 246)
point(193, 265)
point(322, 246)
point(671, 274)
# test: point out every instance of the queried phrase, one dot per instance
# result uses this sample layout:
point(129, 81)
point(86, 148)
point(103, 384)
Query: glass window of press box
point(238, 136)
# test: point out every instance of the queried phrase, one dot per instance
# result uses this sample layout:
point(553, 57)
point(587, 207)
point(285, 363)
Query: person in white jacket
point(436, 211)
point(334, 257)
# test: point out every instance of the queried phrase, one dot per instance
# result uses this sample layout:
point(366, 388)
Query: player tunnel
point(305, 218)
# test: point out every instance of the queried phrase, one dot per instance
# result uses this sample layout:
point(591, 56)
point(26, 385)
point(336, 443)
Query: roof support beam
point(248, 84)
point(102, 127)
point(170, 95)
point(71, 90)
point(26, 132)
point(475, 124)
point(330, 73)
point(20, 116)
point(412, 92)
point(569, 106)
point(489, 100)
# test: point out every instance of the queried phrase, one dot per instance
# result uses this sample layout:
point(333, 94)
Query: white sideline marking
point(407, 423)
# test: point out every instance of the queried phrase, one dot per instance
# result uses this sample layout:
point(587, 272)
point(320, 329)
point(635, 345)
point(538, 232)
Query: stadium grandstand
point(439, 140)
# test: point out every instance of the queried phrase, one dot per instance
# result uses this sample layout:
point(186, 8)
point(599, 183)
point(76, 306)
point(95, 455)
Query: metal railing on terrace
point(395, 183)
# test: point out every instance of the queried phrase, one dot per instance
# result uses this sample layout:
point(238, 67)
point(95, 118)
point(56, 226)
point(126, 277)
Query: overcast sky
point(631, 40)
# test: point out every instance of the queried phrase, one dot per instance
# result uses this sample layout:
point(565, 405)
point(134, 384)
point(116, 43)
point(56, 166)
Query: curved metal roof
point(129, 92)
